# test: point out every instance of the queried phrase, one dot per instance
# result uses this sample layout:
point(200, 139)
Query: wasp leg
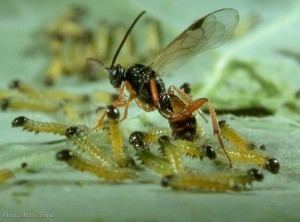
point(246, 150)
point(109, 173)
point(217, 182)
point(188, 110)
point(186, 98)
point(216, 131)
point(99, 121)
point(144, 106)
point(125, 102)
point(191, 108)
point(38, 126)
point(173, 90)
point(120, 102)
point(5, 175)
point(154, 93)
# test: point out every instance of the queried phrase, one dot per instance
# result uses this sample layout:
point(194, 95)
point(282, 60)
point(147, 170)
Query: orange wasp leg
point(121, 101)
point(195, 105)
point(125, 102)
point(99, 121)
point(216, 131)
point(154, 93)
point(189, 110)
point(186, 98)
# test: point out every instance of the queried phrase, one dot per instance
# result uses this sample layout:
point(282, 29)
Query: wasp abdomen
point(185, 129)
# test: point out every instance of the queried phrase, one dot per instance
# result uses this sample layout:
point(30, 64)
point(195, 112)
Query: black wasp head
point(116, 75)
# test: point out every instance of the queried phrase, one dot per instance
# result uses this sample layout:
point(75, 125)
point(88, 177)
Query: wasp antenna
point(125, 37)
point(92, 60)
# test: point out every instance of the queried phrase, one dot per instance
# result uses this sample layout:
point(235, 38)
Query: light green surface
point(55, 189)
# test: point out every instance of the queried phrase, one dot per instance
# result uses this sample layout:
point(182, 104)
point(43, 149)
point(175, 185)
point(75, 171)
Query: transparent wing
point(206, 33)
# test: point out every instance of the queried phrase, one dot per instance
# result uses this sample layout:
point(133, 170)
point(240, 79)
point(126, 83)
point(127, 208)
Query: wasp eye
point(116, 75)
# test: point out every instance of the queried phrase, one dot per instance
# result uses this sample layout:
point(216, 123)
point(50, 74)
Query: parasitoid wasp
point(145, 85)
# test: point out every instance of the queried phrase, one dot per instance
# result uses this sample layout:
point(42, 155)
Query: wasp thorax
point(116, 75)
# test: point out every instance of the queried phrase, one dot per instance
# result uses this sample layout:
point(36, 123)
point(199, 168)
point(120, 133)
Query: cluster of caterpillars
point(158, 151)
point(236, 162)
point(73, 107)
point(70, 41)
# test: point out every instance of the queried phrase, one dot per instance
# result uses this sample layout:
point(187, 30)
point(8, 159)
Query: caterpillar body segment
point(172, 154)
point(5, 175)
point(108, 173)
point(80, 136)
point(116, 137)
point(245, 151)
point(218, 182)
point(21, 103)
point(158, 164)
point(38, 126)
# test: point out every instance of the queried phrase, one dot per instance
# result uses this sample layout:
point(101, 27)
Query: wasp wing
point(206, 33)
